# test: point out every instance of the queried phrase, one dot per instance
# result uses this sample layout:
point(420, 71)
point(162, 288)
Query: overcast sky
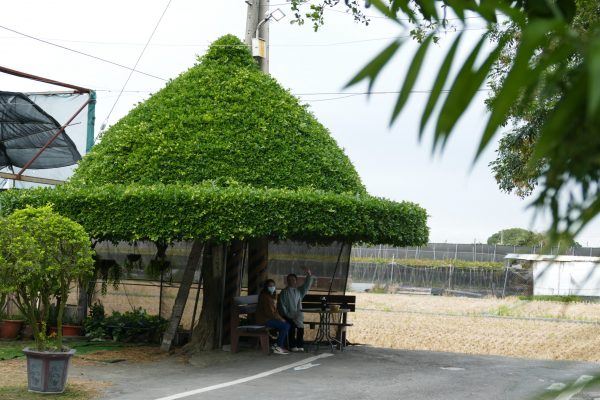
point(461, 198)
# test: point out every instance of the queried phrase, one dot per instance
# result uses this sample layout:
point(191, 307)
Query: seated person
point(290, 306)
point(266, 314)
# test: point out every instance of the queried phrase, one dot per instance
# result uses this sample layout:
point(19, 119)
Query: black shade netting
point(329, 263)
point(24, 130)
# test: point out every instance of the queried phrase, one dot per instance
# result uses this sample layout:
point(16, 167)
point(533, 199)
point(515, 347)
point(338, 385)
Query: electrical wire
point(226, 45)
point(81, 53)
point(313, 93)
point(131, 72)
point(333, 98)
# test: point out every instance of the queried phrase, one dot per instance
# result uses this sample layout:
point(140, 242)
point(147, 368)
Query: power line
point(377, 92)
point(343, 94)
point(333, 98)
point(81, 53)
point(133, 69)
point(208, 44)
point(365, 94)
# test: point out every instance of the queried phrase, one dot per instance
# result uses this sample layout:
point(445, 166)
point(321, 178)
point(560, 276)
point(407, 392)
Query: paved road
point(357, 373)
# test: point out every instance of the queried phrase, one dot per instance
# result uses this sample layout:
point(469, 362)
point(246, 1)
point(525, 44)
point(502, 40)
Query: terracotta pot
point(10, 329)
point(47, 371)
point(71, 330)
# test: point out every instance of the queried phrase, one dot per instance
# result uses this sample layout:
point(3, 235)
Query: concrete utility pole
point(257, 9)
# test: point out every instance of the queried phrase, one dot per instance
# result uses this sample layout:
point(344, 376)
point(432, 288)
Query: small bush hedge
point(131, 326)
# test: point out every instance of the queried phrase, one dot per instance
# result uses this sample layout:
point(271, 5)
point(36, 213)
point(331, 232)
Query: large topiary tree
point(223, 153)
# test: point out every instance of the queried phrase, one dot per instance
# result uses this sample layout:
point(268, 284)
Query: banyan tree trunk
point(220, 277)
point(206, 333)
point(182, 294)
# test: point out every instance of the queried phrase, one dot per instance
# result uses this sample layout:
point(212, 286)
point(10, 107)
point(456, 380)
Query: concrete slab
point(357, 373)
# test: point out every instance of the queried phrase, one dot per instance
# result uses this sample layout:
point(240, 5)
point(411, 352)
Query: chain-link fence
point(467, 252)
point(476, 281)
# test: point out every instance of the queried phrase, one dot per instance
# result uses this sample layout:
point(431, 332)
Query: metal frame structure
point(77, 89)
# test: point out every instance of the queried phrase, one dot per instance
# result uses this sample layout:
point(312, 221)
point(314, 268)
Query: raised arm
point(307, 282)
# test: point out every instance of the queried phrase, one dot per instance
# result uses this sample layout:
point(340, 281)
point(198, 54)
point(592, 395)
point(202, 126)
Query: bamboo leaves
point(373, 68)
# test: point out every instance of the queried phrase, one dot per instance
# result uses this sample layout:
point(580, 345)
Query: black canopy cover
point(24, 129)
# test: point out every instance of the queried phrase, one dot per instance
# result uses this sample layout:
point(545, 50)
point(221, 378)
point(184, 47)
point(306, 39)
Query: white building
point(561, 275)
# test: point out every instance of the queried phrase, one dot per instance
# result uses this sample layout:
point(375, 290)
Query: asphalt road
point(357, 373)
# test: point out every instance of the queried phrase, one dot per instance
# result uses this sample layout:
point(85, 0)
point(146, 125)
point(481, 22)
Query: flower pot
point(47, 371)
point(10, 328)
point(71, 330)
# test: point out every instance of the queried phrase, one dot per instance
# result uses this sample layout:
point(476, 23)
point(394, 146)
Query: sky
point(461, 197)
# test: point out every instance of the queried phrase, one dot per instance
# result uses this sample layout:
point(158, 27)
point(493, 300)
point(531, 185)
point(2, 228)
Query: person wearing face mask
point(266, 314)
point(290, 306)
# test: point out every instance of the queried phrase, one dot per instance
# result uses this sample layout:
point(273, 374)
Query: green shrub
point(136, 326)
point(131, 326)
point(95, 323)
point(561, 299)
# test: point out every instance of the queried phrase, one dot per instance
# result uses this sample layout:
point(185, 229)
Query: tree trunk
point(206, 334)
point(82, 302)
point(258, 255)
point(233, 269)
point(182, 294)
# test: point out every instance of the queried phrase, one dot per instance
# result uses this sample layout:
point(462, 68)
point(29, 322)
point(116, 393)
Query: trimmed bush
point(167, 212)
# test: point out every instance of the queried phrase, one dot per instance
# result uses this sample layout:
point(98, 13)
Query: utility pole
point(257, 10)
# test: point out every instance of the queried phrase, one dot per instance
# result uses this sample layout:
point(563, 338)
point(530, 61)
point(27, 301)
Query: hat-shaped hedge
point(222, 120)
point(224, 152)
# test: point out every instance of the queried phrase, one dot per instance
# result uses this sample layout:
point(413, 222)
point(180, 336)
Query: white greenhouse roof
point(546, 257)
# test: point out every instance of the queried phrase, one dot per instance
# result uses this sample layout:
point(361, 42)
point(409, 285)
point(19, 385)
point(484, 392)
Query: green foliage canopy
point(210, 212)
point(222, 120)
point(224, 152)
point(517, 237)
point(512, 167)
point(41, 254)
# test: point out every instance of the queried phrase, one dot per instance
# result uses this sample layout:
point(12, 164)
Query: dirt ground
point(13, 372)
point(505, 327)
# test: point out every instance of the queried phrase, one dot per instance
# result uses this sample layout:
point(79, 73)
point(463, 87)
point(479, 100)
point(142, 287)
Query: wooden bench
point(313, 300)
point(246, 305)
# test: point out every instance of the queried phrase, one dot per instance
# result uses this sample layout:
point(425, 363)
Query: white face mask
point(271, 289)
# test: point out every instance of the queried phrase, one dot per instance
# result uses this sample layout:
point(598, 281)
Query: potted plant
point(71, 326)
point(11, 327)
point(41, 254)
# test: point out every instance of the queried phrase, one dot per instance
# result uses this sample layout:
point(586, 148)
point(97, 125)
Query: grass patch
point(503, 311)
point(560, 299)
point(13, 349)
point(377, 289)
point(72, 392)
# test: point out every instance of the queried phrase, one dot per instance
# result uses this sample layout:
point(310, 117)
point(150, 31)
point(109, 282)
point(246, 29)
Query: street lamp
point(259, 47)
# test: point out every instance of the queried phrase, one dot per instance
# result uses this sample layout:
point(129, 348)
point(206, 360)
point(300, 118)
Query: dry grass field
point(505, 327)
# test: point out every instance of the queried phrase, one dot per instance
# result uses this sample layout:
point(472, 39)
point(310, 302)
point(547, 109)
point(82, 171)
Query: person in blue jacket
point(289, 305)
